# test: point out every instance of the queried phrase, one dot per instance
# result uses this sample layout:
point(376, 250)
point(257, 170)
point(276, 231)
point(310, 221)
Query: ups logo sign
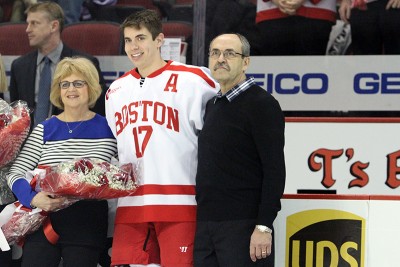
point(325, 238)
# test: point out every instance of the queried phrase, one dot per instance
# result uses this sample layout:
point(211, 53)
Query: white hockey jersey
point(156, 126)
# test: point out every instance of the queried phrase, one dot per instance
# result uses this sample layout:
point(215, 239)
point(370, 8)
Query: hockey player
point(156, 111)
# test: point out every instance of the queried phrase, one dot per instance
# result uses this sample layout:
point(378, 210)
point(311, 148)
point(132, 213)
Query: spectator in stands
point(295, 27)
point(374, 25)
point(72, 9)
point(17, 8)
point(77, 10)
point(232, 16)
point(45, 24)
point(98, 10)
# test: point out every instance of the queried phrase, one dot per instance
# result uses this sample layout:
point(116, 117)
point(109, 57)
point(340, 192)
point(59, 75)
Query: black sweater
point(241, 168)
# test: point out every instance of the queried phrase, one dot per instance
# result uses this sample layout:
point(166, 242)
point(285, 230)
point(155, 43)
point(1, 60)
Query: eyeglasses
point(228, 54)
point(76, 84)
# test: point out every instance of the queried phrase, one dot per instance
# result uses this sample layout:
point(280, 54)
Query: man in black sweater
point(241, 169)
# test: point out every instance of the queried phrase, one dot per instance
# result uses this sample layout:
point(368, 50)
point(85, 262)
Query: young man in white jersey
point(156, 112)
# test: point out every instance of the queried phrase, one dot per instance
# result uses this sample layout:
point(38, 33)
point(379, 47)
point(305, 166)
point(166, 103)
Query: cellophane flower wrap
point(89, 179)
point(6, 195)
point(75, 179)
point(18, 221)
point(14, 128)
point(21, 221)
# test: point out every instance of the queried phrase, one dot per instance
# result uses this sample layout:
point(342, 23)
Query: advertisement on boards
point(309, 83)
point(337, 230)
point(355, 156)
point(330, 83)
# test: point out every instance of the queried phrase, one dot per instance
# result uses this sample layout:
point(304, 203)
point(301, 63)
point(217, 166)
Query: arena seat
point(181, 29)
point(94, 37)
point(13, 39)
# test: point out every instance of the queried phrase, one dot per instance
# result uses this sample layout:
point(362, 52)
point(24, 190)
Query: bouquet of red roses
point(14, 128)
point(89, 178)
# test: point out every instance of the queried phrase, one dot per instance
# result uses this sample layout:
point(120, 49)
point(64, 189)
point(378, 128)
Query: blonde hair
point(3, 79)
point(80, 66)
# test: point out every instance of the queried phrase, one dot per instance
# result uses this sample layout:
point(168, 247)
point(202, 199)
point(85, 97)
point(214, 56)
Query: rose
point(5, 119)
point(83, 165)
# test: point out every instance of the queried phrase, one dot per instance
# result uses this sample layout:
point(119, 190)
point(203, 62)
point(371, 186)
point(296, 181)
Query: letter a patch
point(171, 84)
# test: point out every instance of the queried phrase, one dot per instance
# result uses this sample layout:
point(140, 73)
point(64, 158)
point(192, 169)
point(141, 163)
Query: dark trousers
point(294, 35)
point(376, 30)
point(42, 254)
point(5, 258)
point(221, 244)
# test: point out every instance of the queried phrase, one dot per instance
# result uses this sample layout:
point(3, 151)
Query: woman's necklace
point(71, 130)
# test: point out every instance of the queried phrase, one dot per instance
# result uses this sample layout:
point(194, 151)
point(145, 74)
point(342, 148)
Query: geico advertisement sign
point(325, 238)
point(318, 83)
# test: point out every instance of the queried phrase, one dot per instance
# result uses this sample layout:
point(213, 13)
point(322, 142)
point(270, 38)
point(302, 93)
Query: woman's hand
point(288, 7)
point(47, 202)
point(345, 10)
point(393, 4)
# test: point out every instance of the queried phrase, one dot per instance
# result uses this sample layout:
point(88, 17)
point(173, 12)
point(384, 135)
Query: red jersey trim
point(159, 71)
point(168, 66)
point(151, 189)
point(196, 71)
point(156, 213)
point(312, 13)
point(134, 72)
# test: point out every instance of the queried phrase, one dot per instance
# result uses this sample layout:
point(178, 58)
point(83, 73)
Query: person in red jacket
point(295, 27)
point(374, 25)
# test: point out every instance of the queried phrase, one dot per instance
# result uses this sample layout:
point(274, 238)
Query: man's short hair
point(53, 11)
point(147, 18)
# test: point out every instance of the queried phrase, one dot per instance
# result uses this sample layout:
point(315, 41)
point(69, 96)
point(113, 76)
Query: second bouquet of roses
point(14, 128)
point(75, 179)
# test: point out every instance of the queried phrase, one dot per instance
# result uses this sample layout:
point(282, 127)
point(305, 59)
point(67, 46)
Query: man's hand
point(260, 245)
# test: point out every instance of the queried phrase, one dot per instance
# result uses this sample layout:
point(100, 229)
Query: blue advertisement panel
point(312, 83)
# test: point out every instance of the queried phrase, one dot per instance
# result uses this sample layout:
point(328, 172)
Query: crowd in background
point(273, 28)
point(298, 27)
